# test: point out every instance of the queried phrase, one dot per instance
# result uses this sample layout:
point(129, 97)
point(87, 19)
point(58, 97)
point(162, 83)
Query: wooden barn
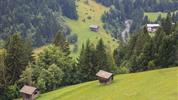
point(94, 28)
point(152, 27)
point(29, 92)
point(104, 77)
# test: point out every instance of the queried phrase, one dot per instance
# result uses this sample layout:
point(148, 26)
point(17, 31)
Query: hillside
point(81, 27)
point(151, 85)
point(89, 14)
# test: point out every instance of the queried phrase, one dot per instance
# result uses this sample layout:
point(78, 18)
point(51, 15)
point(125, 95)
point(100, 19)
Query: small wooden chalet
point(29, 92)
point(104, 77)
point(152, 27)
point(94, 28)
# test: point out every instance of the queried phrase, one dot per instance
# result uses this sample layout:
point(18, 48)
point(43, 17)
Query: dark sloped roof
point(28, 90)
point(104, 74)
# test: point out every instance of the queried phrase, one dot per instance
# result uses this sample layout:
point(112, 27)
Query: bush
point(83, 20)
point(123, 70)
point(11, 92)
point(151, 64)
point(89, 17)
point(72, 39)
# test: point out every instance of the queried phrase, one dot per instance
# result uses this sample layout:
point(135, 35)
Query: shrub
point(83, 20)
point(123, 70)
point(89, 17)
point(75, 49)
point(72, 38)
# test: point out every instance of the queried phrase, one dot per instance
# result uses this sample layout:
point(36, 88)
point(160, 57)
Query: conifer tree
point(119, 54)
point(167, 24)
point(102, 60)
point(16, 59)
point(60, 41)
point(26, 76)
point(87, 62)
point(167, 51)
point(29, 49)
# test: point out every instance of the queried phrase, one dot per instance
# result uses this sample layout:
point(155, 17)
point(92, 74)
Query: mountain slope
point(81, 27)
point(151, 85)
point(89, 13)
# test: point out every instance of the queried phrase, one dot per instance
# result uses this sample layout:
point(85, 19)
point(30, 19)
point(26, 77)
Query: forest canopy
point(39, 19)
point(122, 10)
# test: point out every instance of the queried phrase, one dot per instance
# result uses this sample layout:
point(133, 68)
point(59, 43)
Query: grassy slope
point(82, 28)
point(151, 85)
point(154, 15)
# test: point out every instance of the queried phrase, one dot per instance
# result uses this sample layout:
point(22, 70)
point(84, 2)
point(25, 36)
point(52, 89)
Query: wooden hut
point(104, 77)
point(152, 27)
point(94, 28)
point(29, 92)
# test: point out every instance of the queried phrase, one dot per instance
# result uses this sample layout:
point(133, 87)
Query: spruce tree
point(60, 41)
point(119, 54)
point(87, 62)
point(102, 60)
point(167, 24)
point(16, 59)
point(167, 51)
point(29, 49)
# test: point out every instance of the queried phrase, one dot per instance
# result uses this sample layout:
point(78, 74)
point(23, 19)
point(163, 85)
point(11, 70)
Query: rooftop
point(104, 74)
point(28, 90)
point(153, 25)
point(93, 26)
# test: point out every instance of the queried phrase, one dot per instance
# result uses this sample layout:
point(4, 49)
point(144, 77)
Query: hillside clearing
point(89, 14)
point(154, 15)
point(151, 85)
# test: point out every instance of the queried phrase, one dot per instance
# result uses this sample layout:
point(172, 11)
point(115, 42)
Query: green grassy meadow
point(81, 26)
point(152, 85)
point(154, 15)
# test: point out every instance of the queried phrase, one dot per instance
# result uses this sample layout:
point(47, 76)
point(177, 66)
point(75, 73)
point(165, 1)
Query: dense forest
point(122, 10)
point(146, 52)
point(37, 19)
